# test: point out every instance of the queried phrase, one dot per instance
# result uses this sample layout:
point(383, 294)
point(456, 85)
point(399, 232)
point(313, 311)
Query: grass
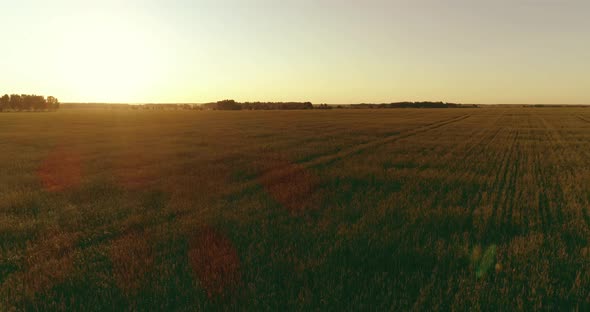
point(481, 209)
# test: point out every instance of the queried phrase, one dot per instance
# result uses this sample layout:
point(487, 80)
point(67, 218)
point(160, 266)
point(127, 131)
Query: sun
point(108, 63)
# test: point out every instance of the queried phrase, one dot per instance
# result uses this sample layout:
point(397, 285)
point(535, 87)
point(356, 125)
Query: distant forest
point(414, 105)
point(26, 102)
point(233, 105)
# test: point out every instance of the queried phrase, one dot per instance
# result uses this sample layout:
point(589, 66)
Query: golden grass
point(60, 170)
point(215, 262)
point(132, 260)
point(288, 183)
point(465, 209)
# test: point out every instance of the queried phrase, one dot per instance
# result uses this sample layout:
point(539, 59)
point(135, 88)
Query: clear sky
point(330, 51)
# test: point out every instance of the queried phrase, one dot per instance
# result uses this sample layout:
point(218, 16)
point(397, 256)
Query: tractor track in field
point(326, 159)
point(480, 142)
point(475, 150)
point(487, 141)
point(510, 188)
point(451, 154)
point(502, 179)
point(506, 186)
point(509, 200)
point(465, 149)
point(559, 146)
point(544, 213)
point(584, 209)
point(469, 152)
point(485, 147)
point(543, 201)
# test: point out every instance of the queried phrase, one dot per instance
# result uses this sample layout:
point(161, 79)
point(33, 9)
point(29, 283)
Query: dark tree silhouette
point(38, 103)
point(52, 103)
point(4, 102)
point(15, 102)
point(233, 105)
point(412, 105)
point(28, 102)
point(228, 105)
point(323, 106)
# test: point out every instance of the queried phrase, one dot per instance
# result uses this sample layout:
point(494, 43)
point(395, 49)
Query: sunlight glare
point(108, 61)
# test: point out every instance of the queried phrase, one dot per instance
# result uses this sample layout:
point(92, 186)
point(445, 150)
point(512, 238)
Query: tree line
point(413, 105)
point(233, 105)
point(28, 102)
point(219, 105)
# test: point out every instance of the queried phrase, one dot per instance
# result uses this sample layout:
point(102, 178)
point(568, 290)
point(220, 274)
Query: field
point(468, 209)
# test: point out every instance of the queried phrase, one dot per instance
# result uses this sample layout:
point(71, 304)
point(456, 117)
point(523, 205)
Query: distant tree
point(27, 102)
point(38, 102)
point(52, 103)
point(4, 102)
point(276, 105)
point(16, 102)
point(323, 106)
point(228, 105)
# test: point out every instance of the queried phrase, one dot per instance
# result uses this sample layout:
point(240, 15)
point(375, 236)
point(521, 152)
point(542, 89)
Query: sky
point(323, 51)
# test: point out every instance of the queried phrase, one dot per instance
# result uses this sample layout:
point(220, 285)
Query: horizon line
point(368, 103)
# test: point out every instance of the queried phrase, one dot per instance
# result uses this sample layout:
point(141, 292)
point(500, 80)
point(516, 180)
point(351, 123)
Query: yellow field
point(420, 209)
